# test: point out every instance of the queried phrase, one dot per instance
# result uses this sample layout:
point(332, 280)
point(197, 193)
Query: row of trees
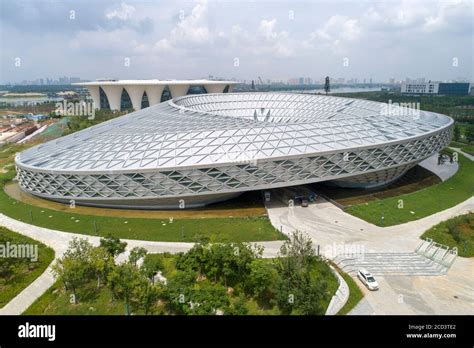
point(468, 134)
point(292, 281)
point(218, 278)
point(128, 281)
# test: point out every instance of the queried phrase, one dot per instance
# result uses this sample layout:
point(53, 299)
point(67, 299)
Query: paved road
point(333, 229)
point(436, 295)
point(338, 232)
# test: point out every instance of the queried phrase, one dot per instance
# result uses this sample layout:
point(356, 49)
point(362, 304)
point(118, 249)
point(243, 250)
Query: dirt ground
point(248, 204)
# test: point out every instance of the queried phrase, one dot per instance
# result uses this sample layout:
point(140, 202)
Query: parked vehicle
point(304, 202)
point(368, 279)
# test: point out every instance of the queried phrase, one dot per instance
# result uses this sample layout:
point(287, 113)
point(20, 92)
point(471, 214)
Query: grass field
point(56, 301)
point(422, 203)
point(17, 275)
point(415, 179)
point(182, 230)
point(355, 294)
point(456, 232)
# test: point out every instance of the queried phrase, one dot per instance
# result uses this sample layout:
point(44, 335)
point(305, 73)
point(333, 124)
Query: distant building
point(36, 117)
point(435, 88)
point(455, 88)
point(138, 94)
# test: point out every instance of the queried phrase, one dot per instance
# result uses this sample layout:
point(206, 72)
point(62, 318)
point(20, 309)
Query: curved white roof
point(214, 129)
point(107, 82)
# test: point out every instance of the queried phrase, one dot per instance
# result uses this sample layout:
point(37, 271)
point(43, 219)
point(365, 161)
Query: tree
point(469, 133)
point(197, 258)
point(136, 254)
point(122, 281)
point(299, 288)
point(261, 281)
point(299, 248)
point(113, 245)
point(75, 267)
point(207, 299)
point(145, 295)
point(239, 307)
point(178, 291)
point(456, 133)
point(151, 265)
point(102, 262)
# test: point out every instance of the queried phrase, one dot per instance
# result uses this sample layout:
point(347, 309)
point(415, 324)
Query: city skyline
point(136, 39)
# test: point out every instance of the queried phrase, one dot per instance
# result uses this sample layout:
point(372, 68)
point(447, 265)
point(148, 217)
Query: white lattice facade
point(206, 148)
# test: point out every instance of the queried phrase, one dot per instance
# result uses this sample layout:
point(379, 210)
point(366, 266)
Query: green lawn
point(355, 294)
point(425, 202)
point(456, 232)
point(17, 275)
point(180, 230)
point(56, 301)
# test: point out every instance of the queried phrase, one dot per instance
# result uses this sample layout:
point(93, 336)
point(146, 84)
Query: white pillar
point(215, 88)
point(136, 94)
point(178, 90)
point(95, 95)
point(113, 95)
point(154, 92)
point(231, 88)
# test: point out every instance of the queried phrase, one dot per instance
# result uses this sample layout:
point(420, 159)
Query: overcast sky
point(236, 39)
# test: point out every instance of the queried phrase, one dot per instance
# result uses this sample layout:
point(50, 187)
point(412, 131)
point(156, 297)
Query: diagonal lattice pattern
point(224, 143)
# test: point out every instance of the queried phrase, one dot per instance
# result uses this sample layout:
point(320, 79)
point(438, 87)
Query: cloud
point(182, 38)
point(124, 13)
point(190, 31)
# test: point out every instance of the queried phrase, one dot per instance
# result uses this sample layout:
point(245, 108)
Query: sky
point(275, 39)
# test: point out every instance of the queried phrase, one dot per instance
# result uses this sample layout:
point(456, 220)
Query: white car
point(368, 279)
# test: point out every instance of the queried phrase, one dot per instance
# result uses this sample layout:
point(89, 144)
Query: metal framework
point(205, 148)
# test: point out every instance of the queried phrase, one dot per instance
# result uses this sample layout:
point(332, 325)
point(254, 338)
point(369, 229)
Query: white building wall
point(113, 95)
point(420, 87)
point(154, 93)
point(136, 94)
point(214, 88)
point(95, 95)
point(178, 90)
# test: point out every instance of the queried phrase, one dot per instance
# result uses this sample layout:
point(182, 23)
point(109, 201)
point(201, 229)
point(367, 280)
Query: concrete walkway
point(457, 149)
point(333, 229)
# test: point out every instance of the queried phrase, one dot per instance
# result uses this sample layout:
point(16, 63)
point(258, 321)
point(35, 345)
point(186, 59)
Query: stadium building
point(138, 94)
point(197, 149)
